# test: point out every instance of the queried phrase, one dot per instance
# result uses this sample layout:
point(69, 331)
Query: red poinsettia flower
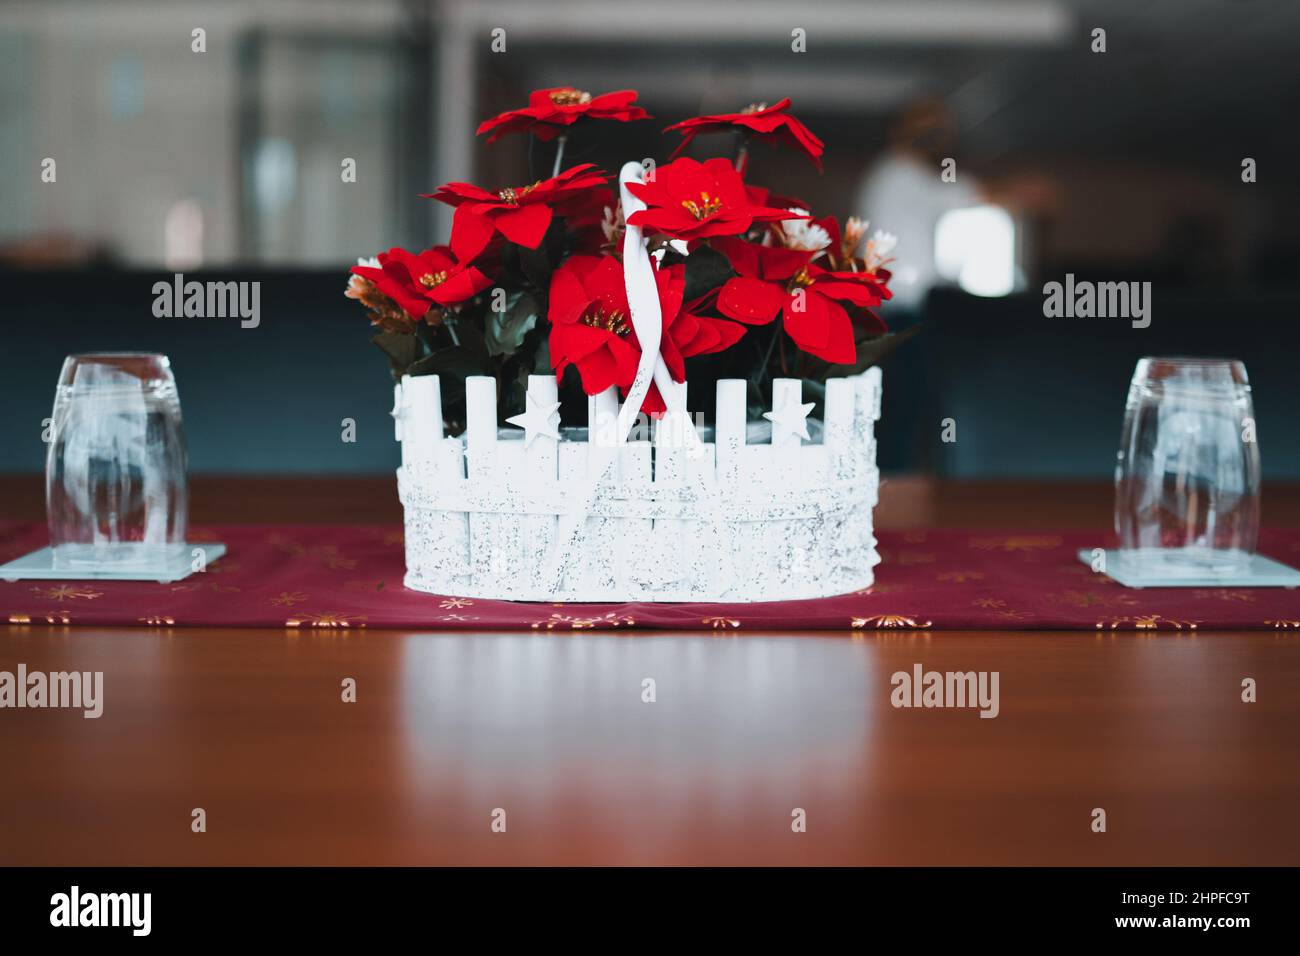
point(772, 280)
point(419, 281)
point(591, 326)
point(687, 331)
point(766, 122)
point(521, 213)
point(591, 323)
point(549, 112)
point(690, 200)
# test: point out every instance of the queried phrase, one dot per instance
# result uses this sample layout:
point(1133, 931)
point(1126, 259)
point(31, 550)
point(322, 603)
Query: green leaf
point(514, 393)
point(536, 265)
point(402, 349)
point(706, 270)
point(874, 351)
point(510, 269)
point(454, 362)
point(469, 336)
point(542, 357)
point(504, 332)
point(814, 390)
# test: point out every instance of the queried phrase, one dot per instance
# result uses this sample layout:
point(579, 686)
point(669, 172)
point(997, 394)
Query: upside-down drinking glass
point(1187, 481)
point(115, 491)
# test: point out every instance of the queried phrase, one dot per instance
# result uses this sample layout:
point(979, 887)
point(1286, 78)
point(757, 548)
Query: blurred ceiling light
point(275, 174)
point(828, 88)
point(976, 248)
point(183, 236)
point(955, 22)
point(126, 87)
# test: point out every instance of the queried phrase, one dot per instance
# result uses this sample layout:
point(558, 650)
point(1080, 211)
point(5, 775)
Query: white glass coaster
point(39, 565)
point(1261, 572)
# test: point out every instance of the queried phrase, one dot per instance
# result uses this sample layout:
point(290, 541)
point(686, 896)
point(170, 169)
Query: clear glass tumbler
point(1187, 481)
point(115, 491)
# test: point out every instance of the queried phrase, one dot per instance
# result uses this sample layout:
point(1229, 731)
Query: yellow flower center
point(613, 320)
point(801, 279)
point(512, 194)
point(431, 279)
point(568, 96)
point(706, 207)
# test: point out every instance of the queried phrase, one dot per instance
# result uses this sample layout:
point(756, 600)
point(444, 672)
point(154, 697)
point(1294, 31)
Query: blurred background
point(225, 164)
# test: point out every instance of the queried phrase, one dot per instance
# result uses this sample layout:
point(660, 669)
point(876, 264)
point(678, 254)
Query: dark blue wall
point(261, 400)
point(1032, 396)
point(1044, 397)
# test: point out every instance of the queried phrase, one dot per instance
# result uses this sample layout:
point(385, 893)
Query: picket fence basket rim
point(778, 520)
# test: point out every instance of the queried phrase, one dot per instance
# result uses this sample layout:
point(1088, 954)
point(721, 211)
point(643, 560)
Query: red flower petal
point(779, 263)
point(568, 299)
point(663, 219)
point(769, 214)
point(762, 262)
point(712, 335)
point(823, 329)
point(752, 301)
point(546, 118)
point(525, 225)
point(839, 342)
point(772, 122)
point(575, 343)
point(650, 192)
point(856, 292)
point(470, 234)
point(743, 256)
point(598, 369)
point(654, 402)
point(459, 285)
point(438, 258)
point(671, 283)
point(807, 320)
point(626, 356)
point(509, 122)
point(673, 357)
point(454, 194)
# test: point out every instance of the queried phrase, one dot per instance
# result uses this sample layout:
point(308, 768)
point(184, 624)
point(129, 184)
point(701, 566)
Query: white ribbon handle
point(648, 322)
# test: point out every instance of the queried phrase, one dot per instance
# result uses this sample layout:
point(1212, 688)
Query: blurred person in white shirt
point(905, 193)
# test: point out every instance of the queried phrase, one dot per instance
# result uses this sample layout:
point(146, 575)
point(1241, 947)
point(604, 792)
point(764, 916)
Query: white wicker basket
point(537, 513)
point(507, 513)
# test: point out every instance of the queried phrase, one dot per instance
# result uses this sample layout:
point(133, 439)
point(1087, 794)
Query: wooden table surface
point(551, 728)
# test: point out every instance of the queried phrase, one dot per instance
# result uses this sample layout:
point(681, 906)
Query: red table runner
point(341, 577)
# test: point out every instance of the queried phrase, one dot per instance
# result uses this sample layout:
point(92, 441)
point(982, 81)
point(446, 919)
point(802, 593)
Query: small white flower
point(851, 236)
point(371, 262)
point(884, 242)
point(878, 249)
point(803, 234)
